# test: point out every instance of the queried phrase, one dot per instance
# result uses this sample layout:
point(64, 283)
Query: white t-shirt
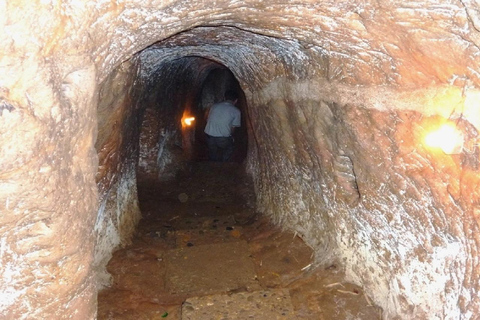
point(221, 118)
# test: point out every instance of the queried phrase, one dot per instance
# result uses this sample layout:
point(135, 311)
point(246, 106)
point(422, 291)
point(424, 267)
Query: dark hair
point(231, 95)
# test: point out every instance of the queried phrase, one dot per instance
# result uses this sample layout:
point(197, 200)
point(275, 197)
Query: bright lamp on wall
point(447, 137)
point(456, 134)
point(188, 121)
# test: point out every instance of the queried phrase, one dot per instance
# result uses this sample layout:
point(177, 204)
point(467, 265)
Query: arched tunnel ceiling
point(390, 42)
point(258, 59)
point(255, 59)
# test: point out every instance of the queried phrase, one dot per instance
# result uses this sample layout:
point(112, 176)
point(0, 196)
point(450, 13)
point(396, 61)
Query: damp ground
point(202, 252)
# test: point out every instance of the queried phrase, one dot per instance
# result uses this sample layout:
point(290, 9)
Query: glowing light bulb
point(188, 121)
point(447, 137)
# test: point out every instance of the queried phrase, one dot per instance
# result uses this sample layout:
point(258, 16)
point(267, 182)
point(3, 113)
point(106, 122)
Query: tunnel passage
point(185, 88)
point(149, 96)
point(340, 96)
point(322, 162)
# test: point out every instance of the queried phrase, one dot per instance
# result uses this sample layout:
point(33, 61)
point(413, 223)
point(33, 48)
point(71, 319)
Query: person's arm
point(235, 122)
point(207, 112)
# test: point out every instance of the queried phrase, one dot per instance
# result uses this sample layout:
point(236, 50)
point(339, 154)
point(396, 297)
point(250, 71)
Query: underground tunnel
point(360, 137)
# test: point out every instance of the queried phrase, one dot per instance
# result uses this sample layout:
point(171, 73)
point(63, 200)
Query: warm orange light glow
point(447, 137)
point(188, 121)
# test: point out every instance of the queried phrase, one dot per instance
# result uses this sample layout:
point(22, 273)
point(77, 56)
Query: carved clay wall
point(119, 115)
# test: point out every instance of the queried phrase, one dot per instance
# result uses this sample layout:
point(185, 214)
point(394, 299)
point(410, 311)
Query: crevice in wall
point(346, 180)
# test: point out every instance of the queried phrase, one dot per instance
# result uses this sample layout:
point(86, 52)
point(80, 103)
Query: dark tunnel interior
point(211, 90)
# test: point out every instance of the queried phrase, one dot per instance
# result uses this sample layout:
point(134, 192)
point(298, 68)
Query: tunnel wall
point(119, 114)
point(47, 179)
point(169, 95)
point(161, 154)
point(152, 143)
point(356, 181)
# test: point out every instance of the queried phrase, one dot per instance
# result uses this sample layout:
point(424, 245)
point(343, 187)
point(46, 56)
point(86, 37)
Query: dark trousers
point(219, 148)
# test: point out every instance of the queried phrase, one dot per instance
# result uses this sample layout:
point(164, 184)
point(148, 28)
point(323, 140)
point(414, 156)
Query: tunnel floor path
point(201, 252)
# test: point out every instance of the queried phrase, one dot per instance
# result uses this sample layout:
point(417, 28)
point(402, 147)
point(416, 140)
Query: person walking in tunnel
point(222, 119)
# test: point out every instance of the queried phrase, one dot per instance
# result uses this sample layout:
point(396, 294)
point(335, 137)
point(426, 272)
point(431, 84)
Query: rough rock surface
point(117, 149)
point(275, 305)
point(339, 96)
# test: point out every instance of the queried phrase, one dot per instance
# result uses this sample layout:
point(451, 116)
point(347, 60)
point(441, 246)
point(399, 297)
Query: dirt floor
point(201, 252)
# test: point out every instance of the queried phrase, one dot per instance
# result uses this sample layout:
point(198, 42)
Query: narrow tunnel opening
point(180, 94)
point(212, 90)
